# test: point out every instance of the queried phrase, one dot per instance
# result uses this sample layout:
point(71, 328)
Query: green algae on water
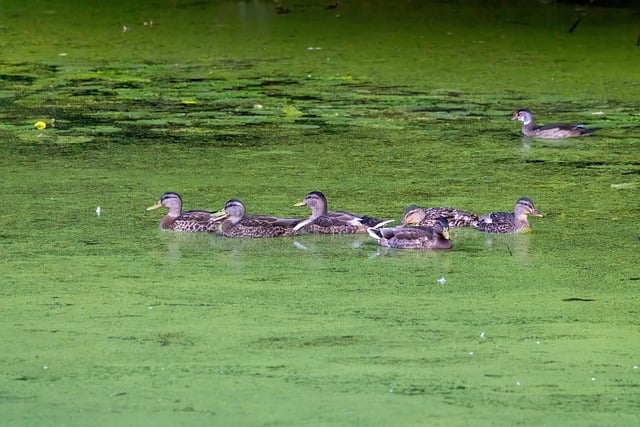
point(109, 320)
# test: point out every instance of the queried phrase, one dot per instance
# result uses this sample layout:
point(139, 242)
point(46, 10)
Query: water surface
point(107, 320)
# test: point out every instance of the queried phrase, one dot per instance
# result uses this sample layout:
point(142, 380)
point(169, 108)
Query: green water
point(106, 320)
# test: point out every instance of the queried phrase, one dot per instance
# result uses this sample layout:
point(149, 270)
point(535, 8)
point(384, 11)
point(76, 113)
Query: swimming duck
point(504, 222)
point(322, 221)
point(551, 131)
point(415, 215)
point(231, 221)
point(177, 220)
point(419, 237)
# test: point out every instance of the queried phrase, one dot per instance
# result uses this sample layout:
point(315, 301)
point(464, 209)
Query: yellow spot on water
point(40, 125)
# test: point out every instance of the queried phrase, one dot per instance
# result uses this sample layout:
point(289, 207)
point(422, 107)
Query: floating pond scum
point(108, 320)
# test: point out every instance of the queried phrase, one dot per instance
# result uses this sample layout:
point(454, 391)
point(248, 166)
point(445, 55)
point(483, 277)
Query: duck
point(324, 222)
point(551, 131)
point(504, 222)
point(176, 220)
point(232, 221)
point(455, 217)
point(418, 237)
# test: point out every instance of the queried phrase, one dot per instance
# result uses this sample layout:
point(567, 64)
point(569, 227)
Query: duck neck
point(443, 243)
point(167, 221)
point(225, 225)
point(528, 127)
point(232, 220)
point(173, 214)
point(174, 211)
point(521, 221)
point(318, 210)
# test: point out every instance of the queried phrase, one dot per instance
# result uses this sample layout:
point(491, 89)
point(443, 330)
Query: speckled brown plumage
point(231, 221)
point(324, 222)
point(415, 215)
point(176, 220)
point(419, 237)
point(505, 222)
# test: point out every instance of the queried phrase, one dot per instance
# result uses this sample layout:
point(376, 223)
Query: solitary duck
point(322, 221)
point(420, 237)
point(455, 217)
point(176, 220)
point(552, 131)
point(231, 221)
point(504, 222)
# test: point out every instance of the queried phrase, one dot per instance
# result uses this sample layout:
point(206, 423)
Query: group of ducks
point(420, 228)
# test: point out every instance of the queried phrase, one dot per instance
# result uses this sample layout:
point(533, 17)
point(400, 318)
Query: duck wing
point(563, 130)
point(335, 219)
point(408, 233)
point(268, 221)
point(455, 217)
point(194, 220)
point(196, 215)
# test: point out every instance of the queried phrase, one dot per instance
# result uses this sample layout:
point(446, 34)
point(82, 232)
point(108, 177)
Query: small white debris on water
point(62, 54)
point(537, 342)
point(597, 113)
point(482, 334)
point(314, 48)
point(593, 378)
point(635, 366)
point(299, 245)
point(623, 186)
point(442, 280)
point(98, 211)
point(45, 367)
point(150, 307)
point(471, 353)
point(518, 383)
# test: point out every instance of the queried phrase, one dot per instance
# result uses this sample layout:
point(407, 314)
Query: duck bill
point(302, 203)
point(156, 206)
point(537, 214)
point(446, 235)
point(514, 117)
point(219, 215)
